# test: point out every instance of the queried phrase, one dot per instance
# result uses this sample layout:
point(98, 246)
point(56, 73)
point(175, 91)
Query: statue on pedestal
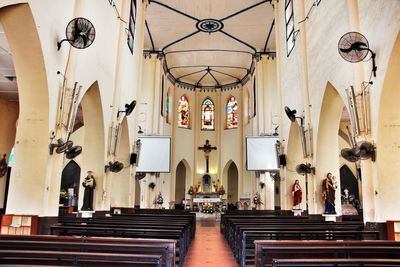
point(89, 184)
point(297, 195)
point(328, 193)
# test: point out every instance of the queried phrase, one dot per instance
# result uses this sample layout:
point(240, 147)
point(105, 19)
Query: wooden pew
point(167, 226)
point(165, 249)
point(245, 253)
point(336, 263)
point(73, 258)
point(266, 251)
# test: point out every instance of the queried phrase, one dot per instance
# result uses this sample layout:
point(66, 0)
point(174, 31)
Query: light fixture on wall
point(292, 117)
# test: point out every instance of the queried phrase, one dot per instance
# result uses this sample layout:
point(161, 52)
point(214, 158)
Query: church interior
point(199, 133)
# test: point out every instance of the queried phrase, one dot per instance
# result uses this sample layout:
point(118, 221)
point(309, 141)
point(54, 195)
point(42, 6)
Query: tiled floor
point(209, 248)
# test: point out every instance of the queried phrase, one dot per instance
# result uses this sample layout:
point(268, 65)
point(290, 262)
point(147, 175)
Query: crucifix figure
point(207, 149)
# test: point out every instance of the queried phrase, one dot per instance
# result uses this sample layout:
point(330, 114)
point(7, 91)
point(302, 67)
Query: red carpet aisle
point(209, 248)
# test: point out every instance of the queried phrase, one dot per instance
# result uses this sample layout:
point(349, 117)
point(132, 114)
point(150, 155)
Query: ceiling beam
point(215, 79)
point(205, 66)
point(208, 50)
point(269, 35)
point(240, 41)
point(175, 10)
point(151, 37)
point(191, 74)
point(227, 74)
point(179, 40)
point(244, 10)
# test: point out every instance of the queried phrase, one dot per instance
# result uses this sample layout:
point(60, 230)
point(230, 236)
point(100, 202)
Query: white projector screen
point(154, 154)
point(261, 153)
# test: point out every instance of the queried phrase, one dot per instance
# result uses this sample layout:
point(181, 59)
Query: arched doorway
point(28, 177)
point(231, 178)
point(327, 156)
point(388, 155)
point(349, 181)
point(182, 182)
point(70, 182)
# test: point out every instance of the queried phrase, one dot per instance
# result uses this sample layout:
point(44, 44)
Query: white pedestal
point(86, 213)
point(297, 212)
point(330, 217)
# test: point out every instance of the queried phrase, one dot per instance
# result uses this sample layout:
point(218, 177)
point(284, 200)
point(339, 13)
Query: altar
point(208, 202)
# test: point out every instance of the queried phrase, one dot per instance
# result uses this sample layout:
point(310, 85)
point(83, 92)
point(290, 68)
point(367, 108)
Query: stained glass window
point(207, 115)
point(183, 109)
point(231, 113)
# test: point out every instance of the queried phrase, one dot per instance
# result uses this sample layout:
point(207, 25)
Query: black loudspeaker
point(282, 160)
point(133, 158)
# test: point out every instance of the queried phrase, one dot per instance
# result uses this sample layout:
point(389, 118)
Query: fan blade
point(355, 46)
point(349, 154)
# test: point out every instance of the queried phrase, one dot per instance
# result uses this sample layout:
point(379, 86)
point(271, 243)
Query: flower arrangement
point(208, 208)
point(257, 199)
point(191, 190)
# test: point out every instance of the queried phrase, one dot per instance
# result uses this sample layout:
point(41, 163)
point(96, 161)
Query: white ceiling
point(8, 84)
point(166, 26)
point(244, 33)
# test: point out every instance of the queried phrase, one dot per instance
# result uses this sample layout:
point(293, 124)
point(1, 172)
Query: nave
point(126, 123)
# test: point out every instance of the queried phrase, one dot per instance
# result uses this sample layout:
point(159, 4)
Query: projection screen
point(155, 154)
point(261, 153)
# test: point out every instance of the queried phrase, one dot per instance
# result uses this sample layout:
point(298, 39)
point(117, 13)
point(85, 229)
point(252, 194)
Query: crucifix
point(207, 149)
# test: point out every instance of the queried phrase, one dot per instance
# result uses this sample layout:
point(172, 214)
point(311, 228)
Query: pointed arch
point(231, 113)
point(182, 180)
point(327, 157)
point(230, 181)
point(294, 157)
point(33, 122)
point(70, 183)
point(388, 156)
point(184, 112)
point(93, 147)
point(120, 185)
point(207, 114)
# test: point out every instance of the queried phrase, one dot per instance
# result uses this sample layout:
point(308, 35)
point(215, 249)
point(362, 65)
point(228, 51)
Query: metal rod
point(179, 40)
point(240, 41)
point(175, 10)
point(269, 35)
point(244, 10)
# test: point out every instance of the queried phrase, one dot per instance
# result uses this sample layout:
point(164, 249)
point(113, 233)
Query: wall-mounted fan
point(128, 109)
point(353, 47)
point(290, 113)
point(140, 175)
point(66, 147)
point(80, 33)
point(362, 150)
point(115, 166)
point(305, 169)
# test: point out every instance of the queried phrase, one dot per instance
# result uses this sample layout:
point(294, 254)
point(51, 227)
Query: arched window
point(168, 105)
point(231, 113)
point(183, 109)
point(207, 115)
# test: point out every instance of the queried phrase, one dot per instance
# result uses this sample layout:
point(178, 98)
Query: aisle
point(209, 248)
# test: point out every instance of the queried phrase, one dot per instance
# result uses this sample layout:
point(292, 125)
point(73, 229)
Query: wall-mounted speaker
point(133, 158)
point(282, 160)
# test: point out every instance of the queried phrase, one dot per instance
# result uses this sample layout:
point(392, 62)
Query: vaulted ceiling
point(209, 43)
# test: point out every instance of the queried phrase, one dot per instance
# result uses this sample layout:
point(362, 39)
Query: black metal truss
point(209, 69)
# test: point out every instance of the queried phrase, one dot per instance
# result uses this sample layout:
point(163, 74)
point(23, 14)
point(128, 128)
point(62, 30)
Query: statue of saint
point(297, 195)
point(328, 192)
point(89, 184)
